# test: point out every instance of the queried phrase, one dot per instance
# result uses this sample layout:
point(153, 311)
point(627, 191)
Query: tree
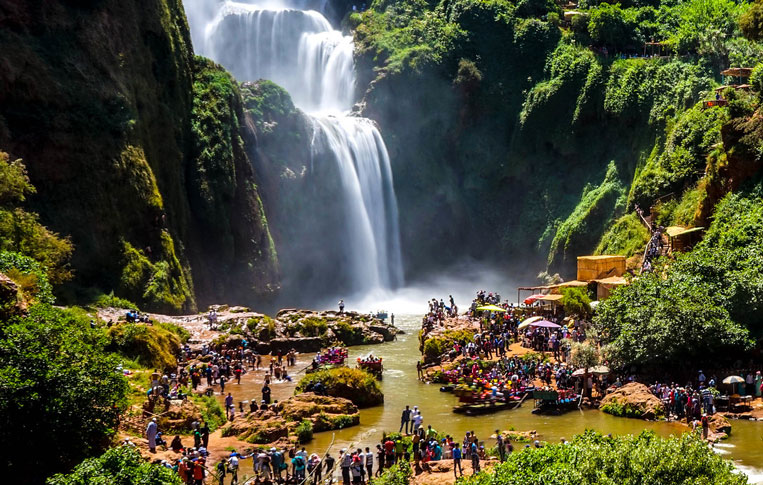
point(584, 355)
point(118, 466)
point(751, 22)
point(21, 231)
point(576, 302)
point(60, 393)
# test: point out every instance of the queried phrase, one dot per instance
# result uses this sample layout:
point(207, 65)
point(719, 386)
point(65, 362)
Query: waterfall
point(298, 49)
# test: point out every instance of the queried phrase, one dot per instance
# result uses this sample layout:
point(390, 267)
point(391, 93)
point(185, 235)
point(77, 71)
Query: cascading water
point(299, 50)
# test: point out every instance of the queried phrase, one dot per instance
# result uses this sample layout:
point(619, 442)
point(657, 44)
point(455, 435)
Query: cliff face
point(118, 125)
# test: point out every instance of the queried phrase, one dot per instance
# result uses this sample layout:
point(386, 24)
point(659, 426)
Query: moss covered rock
point(353, 384)
point(633, 400)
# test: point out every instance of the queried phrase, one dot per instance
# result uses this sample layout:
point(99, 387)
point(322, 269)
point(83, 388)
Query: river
point(401, 388)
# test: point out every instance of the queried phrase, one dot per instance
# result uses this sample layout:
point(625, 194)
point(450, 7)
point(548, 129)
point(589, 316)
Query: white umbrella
point(733, 380)
point(528, 321)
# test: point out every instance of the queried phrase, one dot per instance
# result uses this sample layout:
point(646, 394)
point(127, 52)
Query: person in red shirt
point(389, 450)
point(198, 472)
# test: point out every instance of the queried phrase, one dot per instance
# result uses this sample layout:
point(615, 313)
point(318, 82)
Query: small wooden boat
point(555, 402)
point(372, 365)
point(330, 359)
point(484, 407)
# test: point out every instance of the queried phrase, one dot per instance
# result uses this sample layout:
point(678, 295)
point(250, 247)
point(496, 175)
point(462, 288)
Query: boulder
point(179, 417)
point(633, 400)
point(720, 427)
point(260, 427)
point(386, 331)
point(309, 405)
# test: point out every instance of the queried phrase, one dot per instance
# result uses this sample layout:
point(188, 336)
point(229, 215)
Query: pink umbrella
point(532, 299)
point(545, 324)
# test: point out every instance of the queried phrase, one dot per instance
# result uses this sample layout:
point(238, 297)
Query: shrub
point(122, 465)
point(592, 458)
point(615, 408)
point(111, 301)
point(354, 384)
point(211, 410)
point(304, 431)
point(398, 474)
point(151, 346)
point(313, 327)
point(29, 275)
point(56, 379)
point(576, 302)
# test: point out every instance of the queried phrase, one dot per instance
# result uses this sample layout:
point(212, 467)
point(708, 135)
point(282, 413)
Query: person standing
point(345, 461)
point(501, 446)
point(380, 459)
point(457, 460)
point(475, 454)
point(758, 385)
point(266, 393)
point(151, 431)
point(228, 404)
point(341, 306)
point(369, 463)
point(417, 420)
point(405, 419)
point(329, 467)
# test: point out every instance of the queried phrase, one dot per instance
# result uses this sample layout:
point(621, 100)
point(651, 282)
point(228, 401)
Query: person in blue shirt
point(475, 457)
point(457, 460)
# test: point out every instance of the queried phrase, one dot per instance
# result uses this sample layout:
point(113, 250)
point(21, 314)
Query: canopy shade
point(532, 299)
point(491, 308)
point(526, 322)
point(733, 380)
point(545, 324)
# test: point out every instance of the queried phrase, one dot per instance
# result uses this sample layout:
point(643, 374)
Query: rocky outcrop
point(267, 427)
point(633, 401)
point(10, 304)
point(106, 99)
point(720, 427)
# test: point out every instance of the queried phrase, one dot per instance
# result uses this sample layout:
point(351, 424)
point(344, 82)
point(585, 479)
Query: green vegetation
point(123, 466)
point(21, 231)
point(592, 458)
point(112, 301)
point(211, 410)
point(398, 474)
point(435, 347)
point(354, 384)
point(627, 236)
point(705, 305)
point(304, 431)
point(56, 379)
point(576, 302)
point(262, 328)
point(615, 408)
point(150, 345)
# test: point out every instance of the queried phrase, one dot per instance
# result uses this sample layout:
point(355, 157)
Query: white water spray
point(299, 50)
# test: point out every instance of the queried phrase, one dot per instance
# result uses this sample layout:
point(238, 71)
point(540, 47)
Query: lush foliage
point(56, 380)
point(150, 345)
point(398, 474)
point(576, 302)
point(211, 411)
point(118, 466)
point(626, 236)
point(627, 410)
point(706, 303)
point(435, 347)
point(592, 458)
point(304, 431)
point(356, 385)
point(21, 231)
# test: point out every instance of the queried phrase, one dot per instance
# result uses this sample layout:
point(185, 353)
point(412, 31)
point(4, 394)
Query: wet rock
point(310, 405)
point(10, 304)
point(719, 425)
point(634, 401)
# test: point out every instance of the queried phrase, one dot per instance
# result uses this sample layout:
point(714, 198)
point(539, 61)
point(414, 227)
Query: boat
point(372, 365)
point(474, 403)
point(329, 359)
point(381, 315)
point(485, 407)
point(555, 402)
